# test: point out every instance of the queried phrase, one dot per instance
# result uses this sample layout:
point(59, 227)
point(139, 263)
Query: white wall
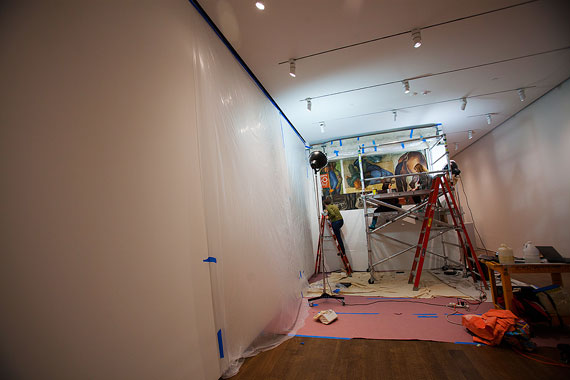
point(516, 177)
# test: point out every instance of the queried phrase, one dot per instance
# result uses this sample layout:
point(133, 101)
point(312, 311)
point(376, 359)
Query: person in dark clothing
point(393, 201)
point(336, 220)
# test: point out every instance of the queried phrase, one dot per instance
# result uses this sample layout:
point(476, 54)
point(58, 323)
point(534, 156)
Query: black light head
point(318, 160)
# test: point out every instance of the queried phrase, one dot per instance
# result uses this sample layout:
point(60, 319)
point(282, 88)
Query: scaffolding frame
point(374, 200)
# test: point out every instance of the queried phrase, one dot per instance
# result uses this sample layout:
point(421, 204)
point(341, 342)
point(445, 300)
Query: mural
point(346, 195)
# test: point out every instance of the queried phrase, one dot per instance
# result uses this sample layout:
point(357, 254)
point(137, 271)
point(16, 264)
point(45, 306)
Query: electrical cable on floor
point(454, 313)
point(547, 360)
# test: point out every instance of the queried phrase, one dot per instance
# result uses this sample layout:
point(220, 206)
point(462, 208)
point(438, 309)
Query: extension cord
point(461, 305)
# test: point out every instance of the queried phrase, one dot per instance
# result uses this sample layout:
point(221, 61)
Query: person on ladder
point(336, 220)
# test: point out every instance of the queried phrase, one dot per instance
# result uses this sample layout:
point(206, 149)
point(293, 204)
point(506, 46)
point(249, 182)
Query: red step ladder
point(442, 183)
point(346, 263)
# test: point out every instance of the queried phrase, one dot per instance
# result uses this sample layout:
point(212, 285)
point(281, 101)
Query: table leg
point(507, 289)
point(493, 286)
point(556, 278)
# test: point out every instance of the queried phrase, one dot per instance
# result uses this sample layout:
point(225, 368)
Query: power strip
point(460, 305)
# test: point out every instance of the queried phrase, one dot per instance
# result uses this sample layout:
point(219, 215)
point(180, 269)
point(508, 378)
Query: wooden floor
point(330, 359)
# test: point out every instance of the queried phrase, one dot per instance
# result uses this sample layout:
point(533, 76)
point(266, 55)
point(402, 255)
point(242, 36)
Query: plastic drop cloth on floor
point(389, 284)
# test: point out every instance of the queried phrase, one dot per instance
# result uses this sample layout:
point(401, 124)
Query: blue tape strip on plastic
point(470, 343)
point(336, 152)
point(361, 313)
point(403, 146)
point(332, 142)
point(340, 142)
point(411, 133)
point(322, 337)
point(220, 344)
point(210, 260)
point(308, 147)
point(425, 314)
point(358, 139)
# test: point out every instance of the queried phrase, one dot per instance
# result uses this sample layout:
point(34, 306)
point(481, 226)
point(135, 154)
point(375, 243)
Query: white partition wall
point(132, 148)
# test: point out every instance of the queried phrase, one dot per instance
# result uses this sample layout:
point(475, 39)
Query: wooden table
point(505, 270)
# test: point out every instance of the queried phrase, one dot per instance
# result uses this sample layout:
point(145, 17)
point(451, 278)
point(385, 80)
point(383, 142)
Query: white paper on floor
point(395, 285)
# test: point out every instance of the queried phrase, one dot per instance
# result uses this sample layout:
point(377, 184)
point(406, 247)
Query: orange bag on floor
point(490, 327)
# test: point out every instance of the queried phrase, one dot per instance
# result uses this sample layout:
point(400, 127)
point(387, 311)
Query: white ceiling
point(300, 28)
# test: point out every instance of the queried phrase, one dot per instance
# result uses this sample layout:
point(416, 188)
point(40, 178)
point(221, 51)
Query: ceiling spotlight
point(260, 5)
point(470, 134)
point(309, 105)
point(417, 38)
point(488, 118)
point(463, 103)
point(522, 95)
point(406, 85)
point(456, 146)
point(292, 68)
point(322, 125)
point(395, 115)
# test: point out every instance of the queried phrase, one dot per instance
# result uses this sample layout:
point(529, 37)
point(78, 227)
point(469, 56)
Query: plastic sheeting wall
point(256, 186)
point(133, 146)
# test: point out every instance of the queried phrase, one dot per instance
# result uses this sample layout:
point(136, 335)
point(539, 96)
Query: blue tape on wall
point(403, 146)
point(340, 142)
point(210, 260)
point(332, 142)
point(220, 344)
point(411, 133)
point(336, 152)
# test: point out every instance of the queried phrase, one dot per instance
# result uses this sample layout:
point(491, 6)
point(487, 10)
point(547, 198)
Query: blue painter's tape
point(411, 133)
point(308, 147)
point(403, 146)
point(323, 337)
point(376, 149)
point(427, 316)
point(332, 142)
point(340, 141)
point(336, 291)
point(373, 142)
point(470, 343)
point(358, 139)
point(210, 260)
point(336, 152)
point(220, 344)
point(361, 313)
point(300, 274)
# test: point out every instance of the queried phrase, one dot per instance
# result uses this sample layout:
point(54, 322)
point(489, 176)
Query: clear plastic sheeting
point(257, 188)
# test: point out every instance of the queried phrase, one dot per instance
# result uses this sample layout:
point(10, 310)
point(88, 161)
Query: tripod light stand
point(318, 160)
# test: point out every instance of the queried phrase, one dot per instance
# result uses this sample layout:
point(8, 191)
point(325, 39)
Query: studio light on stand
point(318, 160)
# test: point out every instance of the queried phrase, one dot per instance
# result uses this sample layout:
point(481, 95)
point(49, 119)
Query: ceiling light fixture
point(470, 134)
point(260, 5)
point(417, 38)
point(322, 125)
point(456, 146)
point(463, 103)
point(488, 118)
point(406, 85)
point(395, 115)
point(522, 95)
point(309, 104)
point(292, 68)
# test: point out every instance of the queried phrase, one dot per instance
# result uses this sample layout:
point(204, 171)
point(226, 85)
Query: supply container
point(506, 255)
point(530, 253)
